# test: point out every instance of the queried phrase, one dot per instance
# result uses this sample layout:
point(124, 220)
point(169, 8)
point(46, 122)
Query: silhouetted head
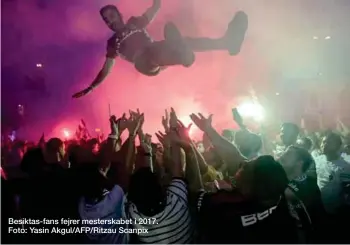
point(55, 150)
point(146, 192)
point(289, 133)
point(248, 143)
point(296, 160)
point(262, 179)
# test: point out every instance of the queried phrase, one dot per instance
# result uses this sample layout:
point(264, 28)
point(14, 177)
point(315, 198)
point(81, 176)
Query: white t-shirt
point(315, 153)
point(278, 152)
point(346, 157)
point(173, 224)
point(330, 178)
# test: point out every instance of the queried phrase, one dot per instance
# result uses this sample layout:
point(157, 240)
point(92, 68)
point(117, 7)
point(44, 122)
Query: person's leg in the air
point(231, 41)
point(176, 50)
point(173, 50)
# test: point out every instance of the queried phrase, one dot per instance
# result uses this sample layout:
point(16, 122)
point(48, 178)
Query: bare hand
point(135, 123)
point(82, 93)
point(183, 131)
point(147, 143)
point(113, 125)
point(136, 114)
point(173, 119)
point(201, 122)
point(122, 123)
point(237, 117)
point(181, 135)
point(165, 121)
point(163, 139)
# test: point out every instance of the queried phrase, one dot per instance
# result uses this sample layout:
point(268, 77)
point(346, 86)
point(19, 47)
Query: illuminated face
point(330, 145)
point(200, 147)
point(112, 19)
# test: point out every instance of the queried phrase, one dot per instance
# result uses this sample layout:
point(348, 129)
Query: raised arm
point(101, 76)
point(147, 17)
point(152, 11)
point(225, 149)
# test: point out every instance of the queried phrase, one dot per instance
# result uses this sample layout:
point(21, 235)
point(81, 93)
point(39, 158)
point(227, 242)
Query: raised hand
point(173, 119)
point(118, 125)
point(146, 143)
point(135, 123)
point(114, 125)
point(136, 114)
point(181, 135)
point(122, 123)
point(82, 93)
point(165, 121)
point(237, 116)
point(183, 131)
point(201, 122)
point(163, 139)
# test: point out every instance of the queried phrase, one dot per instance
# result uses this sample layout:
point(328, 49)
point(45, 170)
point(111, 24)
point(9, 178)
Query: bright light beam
point(66, 133)
point(186, 120)
point(252, 110)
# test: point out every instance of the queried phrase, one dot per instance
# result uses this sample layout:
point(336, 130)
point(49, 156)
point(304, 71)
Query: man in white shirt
point(332, 173)
point(289, 135)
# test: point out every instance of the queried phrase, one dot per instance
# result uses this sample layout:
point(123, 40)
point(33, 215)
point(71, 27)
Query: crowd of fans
point(239, 187)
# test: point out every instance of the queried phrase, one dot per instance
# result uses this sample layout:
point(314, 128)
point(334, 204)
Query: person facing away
point(248, 143)
point(166, 212)
point(48, 192)
point(102, 200)
point(303, 194)
point(132, 43)
point(253, 211)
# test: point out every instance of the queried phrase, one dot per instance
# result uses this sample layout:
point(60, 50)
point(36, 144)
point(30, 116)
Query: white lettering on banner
point(248, 219)
point(251, 219)
point(263, 215)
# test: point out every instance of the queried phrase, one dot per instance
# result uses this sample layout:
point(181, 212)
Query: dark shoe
point(177, 43)
point(236, 32)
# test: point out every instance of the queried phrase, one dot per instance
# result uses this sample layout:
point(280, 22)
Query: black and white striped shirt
point(173, 224)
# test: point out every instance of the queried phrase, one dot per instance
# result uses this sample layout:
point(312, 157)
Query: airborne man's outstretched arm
point(151, 12)
point(101, 76)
